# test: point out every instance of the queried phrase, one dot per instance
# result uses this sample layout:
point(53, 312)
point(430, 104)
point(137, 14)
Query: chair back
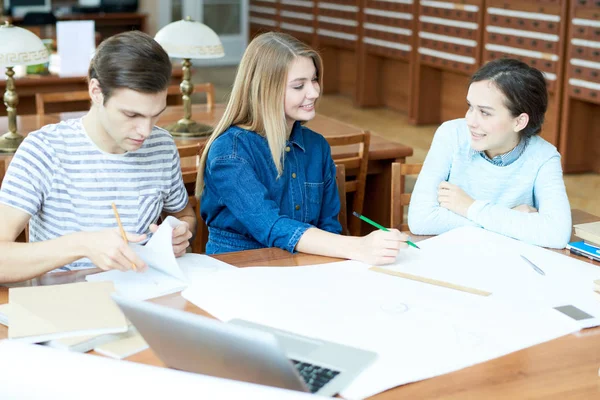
point(207, 88)
point(190, 159)
point(340, 179)
point(400, 198)
point(2, 171)
point(355, 166)
point(79, 100)
point(69, 101)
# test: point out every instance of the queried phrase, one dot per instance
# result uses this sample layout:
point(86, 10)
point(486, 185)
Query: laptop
point(245, 351)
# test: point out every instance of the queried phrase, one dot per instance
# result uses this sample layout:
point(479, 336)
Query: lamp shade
point(189, 39)
point(19, 46)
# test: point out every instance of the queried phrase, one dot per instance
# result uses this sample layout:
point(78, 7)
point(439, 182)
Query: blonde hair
point(258, 94)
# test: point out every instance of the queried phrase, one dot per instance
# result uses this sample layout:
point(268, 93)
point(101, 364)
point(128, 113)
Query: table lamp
point(189, 39)
point(18, 46)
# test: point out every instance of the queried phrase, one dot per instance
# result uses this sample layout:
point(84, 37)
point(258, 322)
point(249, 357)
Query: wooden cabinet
point(106, 24)
point(417, 56)
point(579, 142)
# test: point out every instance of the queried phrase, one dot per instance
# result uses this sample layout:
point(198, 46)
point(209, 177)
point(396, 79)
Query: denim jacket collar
point(297, 136)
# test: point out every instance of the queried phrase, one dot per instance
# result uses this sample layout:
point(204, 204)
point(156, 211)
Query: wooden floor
point(583, 189)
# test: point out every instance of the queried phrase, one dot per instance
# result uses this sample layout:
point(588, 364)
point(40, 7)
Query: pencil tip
point(356, 214)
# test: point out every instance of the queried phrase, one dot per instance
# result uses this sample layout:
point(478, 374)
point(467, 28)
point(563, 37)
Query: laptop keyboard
point(315, 377)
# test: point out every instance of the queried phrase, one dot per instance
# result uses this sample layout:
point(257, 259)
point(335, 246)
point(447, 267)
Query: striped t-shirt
point(67, 184)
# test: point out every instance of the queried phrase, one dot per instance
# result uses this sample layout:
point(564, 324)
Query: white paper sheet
point(61, 375)
point(166, 274)
point(484, 260)
point(158, 252)
point(76, 42)
point(418, 330)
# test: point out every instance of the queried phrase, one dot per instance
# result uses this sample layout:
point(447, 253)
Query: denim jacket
point(247, 207)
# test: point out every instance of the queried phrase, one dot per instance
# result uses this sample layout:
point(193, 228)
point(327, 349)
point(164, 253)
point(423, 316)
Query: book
point(582, 249)
point(123, 347)
point(83, 344)
point(42, 313)
point(590, 232)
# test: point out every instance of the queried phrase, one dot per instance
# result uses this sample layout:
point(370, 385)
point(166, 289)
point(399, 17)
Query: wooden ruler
point(431, 281)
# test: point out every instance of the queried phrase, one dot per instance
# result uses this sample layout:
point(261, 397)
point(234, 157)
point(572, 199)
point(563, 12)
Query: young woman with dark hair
point(491, 169)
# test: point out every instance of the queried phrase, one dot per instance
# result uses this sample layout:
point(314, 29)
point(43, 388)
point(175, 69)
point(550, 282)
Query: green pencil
point(383, 228)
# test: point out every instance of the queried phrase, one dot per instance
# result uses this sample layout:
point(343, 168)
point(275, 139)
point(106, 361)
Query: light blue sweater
point(535, 178)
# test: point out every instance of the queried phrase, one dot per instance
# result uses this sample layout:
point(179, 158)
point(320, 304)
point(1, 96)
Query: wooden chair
point(190, 158)
point(400, 199)
point(356, 171)
point(80, 100)
point(207, 88)
point(340, 178)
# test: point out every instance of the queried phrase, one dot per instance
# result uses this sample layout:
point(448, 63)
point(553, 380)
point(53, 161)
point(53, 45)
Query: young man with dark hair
point(64, 177)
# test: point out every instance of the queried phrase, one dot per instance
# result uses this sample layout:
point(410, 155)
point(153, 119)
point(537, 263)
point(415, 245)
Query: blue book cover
point(583, 249)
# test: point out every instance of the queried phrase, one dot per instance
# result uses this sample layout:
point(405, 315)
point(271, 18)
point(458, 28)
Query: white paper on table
point(94, 377)
point(76, 43)
point(418, 330)
point(488, 261)
point(166, 273)
point(158, 251)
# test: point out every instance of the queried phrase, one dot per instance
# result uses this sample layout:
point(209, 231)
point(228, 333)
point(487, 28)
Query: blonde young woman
point(265, 180)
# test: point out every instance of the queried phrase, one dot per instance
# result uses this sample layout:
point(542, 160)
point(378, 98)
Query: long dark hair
point(523, 86)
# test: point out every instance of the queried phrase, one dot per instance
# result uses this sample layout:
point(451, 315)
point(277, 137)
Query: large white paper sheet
point(484, 260)
point(37, 372)
point(418, 330)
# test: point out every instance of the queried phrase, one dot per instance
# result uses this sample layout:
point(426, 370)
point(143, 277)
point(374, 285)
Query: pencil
point(383, 228)
point(114, 207)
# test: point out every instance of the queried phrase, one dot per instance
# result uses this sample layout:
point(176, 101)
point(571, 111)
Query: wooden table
point(381, 155)
point(106, 24)
point(563, 368)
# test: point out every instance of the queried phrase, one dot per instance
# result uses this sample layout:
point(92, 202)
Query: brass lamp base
point(9, 142)
point(188, 128)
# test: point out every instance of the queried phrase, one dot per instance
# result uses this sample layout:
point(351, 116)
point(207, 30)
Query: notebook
point(123, 347)
point(590, 232)
point(583, 249)
point(43, 313)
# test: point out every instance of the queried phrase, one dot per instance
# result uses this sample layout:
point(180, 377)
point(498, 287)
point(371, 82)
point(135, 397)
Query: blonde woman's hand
point(380, 247)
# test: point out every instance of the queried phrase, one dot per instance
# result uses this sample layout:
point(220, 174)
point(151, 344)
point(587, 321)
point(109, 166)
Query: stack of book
point(590, 245)
point(76, 316)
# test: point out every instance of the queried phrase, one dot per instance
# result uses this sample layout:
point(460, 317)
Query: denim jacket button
point(297, 207)
point(287, 149)
point(294, 175)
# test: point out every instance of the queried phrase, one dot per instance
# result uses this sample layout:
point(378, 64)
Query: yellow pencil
point(114, 207)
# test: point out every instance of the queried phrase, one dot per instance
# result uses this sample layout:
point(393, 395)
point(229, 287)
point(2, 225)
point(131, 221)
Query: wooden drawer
point(520, 42)
point(462, 68)
point(586, 94)
point(584, 73)
point(389, 6)
point(393, 22)
point(387, 52)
